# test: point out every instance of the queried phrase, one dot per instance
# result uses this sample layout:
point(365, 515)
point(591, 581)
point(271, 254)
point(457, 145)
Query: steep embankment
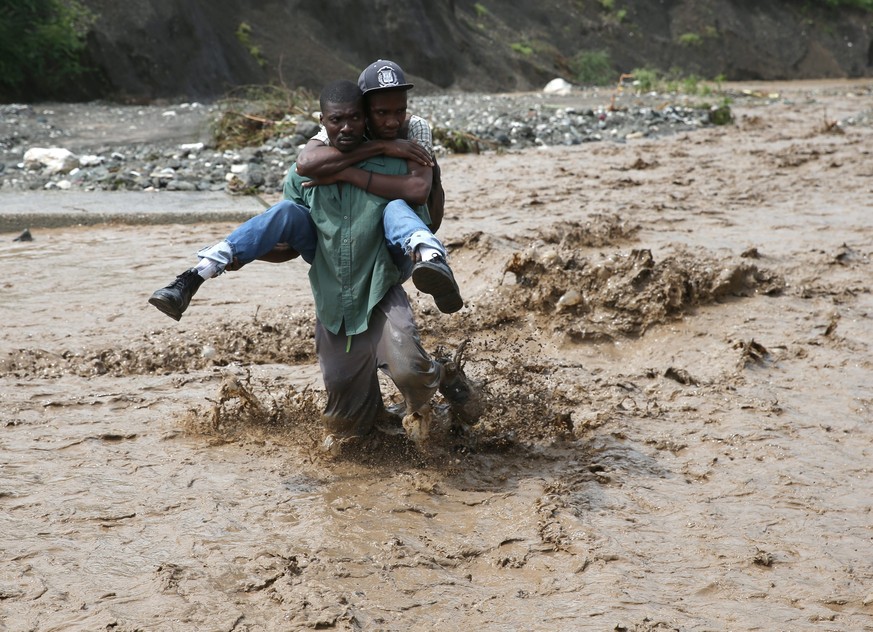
point(187, 48)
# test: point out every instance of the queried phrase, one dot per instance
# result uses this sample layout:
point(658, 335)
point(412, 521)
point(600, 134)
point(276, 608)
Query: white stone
point(51, 159)
point(90, 160)
point(558, 86)
point(164, 174)
point(570, 298)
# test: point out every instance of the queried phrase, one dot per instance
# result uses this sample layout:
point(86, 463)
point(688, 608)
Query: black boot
point(435, 277)
point(173, 300)
point(462, 394)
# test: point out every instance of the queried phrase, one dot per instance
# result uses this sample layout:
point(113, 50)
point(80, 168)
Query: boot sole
point(166, 307)
point(436, 283)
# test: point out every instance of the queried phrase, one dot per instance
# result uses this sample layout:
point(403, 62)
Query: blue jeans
point(404, 232)
point(290, 223)
point(286, 222)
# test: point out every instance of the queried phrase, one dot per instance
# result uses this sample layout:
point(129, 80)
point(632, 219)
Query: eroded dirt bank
point(674, 337)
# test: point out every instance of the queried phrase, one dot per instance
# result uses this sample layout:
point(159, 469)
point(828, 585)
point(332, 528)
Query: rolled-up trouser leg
point(399, 352)
point(285, 222)
point(392, 344)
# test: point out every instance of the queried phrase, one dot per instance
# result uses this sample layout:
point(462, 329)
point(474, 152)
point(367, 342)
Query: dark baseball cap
point(382, 75)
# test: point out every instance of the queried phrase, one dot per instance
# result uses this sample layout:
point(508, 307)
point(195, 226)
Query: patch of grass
point(522, 48)
point(649, 80)
point(481, 10)
point(251, 115)
point(645, 79)
point(244, 36)
point(690, 39)
point(692, 84)
point(593, 67)
point(616, 15)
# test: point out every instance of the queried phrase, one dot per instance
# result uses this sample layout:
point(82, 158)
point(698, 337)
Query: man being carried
point(285, 230)
point(410, 234)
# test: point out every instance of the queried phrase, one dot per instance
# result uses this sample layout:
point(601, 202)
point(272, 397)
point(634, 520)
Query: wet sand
point(674, 340)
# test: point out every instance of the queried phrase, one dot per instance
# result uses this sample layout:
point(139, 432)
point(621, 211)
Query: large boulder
point(51, 160)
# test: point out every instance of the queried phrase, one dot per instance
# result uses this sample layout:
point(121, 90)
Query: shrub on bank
point(40, 46)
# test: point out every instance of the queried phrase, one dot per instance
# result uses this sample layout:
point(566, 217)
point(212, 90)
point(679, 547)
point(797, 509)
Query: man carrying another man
point(281, 232)
point(364, 322)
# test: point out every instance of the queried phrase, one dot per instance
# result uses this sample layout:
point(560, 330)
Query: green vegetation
point(645, 79)
point(720, 114)
point(480, 9)
point(690, 39)
point(649, 80)
point(41, 42)
point(617, 15)
point(696, 39)
point(691, 84)
point(244, 35)
point(251, 115)
point(458, 142)
point(593, 67)
point(522, 48)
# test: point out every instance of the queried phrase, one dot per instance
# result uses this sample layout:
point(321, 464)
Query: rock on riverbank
point(170, 147)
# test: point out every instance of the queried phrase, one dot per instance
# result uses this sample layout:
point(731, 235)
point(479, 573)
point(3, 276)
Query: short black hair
point(342, 91)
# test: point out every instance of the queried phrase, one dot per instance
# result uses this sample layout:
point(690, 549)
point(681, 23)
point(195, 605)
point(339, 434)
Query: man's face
point(386, 112)
point(345, 124)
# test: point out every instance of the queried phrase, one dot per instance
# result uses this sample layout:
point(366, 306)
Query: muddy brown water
point(674, 338)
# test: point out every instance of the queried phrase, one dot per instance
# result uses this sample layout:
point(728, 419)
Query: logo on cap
point(387, 77)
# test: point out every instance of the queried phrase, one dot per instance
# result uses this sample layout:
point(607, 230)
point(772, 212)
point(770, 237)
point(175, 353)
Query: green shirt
point(352, 269)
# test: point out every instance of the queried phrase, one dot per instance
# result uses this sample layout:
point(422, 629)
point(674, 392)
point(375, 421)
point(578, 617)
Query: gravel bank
point(169, 147)
point(107, 147)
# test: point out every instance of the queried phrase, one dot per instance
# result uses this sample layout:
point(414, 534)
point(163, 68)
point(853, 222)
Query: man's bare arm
point(318, 160)
point(413, 187)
